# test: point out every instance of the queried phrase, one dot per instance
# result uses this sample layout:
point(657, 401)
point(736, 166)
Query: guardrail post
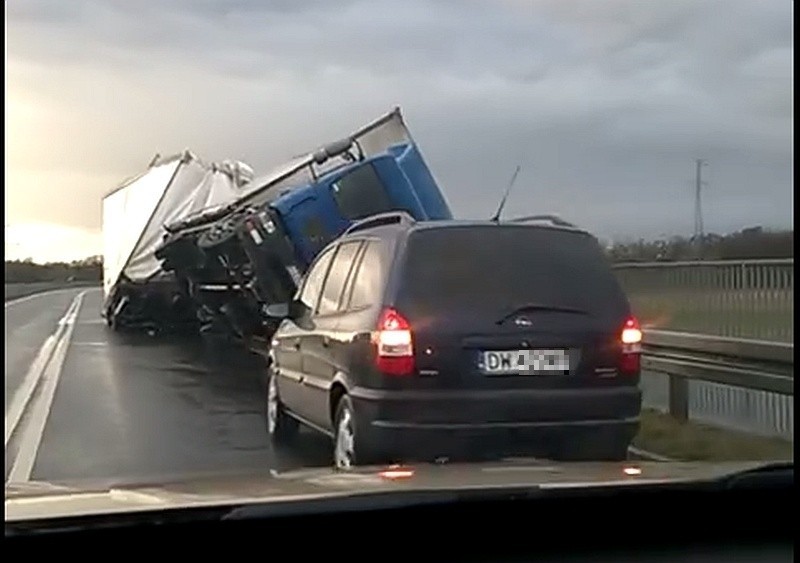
point(679, 397)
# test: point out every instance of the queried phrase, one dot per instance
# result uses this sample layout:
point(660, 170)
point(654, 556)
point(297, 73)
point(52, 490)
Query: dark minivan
point(413, 340)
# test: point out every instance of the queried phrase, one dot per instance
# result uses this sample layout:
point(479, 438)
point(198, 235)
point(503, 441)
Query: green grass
point(691, 441)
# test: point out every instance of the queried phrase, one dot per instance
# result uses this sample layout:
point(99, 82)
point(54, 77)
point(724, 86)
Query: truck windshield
point(360, 194)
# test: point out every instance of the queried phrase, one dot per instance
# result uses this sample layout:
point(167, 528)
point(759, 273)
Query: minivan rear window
point(502, 267)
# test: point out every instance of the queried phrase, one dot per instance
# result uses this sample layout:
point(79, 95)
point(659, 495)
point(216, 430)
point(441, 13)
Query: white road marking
point(32, 435)
point(24, 392)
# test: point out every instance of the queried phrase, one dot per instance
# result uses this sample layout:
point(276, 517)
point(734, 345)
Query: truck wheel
point(280, 426)
point(350, 445)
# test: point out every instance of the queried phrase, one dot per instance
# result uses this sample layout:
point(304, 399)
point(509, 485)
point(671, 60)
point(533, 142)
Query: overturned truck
point(217, 266)
point(138, 293)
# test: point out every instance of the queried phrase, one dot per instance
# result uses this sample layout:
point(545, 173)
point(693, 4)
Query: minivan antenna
point(496, 218)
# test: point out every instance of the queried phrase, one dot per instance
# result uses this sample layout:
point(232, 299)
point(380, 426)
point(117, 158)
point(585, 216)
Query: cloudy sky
point(605, 104)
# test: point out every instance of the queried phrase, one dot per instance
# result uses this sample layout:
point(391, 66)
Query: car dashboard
point(736, 521)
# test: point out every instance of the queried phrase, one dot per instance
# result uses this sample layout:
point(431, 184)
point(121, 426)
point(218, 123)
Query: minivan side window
point(334, 284)
point(367, 281)
point(309, 295)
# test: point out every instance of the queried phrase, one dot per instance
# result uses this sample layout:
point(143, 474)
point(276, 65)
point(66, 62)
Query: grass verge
point(693, 441)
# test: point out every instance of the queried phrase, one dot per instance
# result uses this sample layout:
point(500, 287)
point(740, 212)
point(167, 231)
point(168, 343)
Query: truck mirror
point(294, 310)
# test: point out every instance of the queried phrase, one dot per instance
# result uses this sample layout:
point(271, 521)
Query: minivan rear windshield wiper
point(539, 307)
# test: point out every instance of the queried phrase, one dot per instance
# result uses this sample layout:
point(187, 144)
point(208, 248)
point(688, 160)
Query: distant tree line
point(751, 243)
point(27, 271)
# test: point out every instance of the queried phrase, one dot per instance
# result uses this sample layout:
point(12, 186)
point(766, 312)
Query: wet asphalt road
point(86, 403)
point(129, 407)
point(29, 321)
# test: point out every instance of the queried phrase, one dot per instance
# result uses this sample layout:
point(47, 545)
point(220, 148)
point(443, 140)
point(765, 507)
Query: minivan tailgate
point(471, 289)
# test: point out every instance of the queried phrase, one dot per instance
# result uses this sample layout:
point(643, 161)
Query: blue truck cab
point(318, 212)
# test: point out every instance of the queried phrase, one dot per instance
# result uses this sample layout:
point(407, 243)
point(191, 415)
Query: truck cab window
point(360, 194)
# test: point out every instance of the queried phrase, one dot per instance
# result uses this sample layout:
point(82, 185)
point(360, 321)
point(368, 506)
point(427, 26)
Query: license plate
point(524, 362)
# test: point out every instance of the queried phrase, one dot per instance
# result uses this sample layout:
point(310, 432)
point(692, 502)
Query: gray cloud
point(605, 104)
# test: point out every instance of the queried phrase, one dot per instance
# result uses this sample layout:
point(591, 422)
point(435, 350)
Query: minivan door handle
point(326, 341)
point(296, 344)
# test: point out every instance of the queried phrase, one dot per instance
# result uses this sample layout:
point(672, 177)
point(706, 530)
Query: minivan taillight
point(394, 345)
point(631, 339)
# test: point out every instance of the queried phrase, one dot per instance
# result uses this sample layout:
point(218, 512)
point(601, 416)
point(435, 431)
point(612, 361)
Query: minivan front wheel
point(280, 426)
point(349, 447)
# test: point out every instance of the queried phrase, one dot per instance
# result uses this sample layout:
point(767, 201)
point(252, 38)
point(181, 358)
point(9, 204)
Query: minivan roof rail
point(381, 219)
point(554, 219)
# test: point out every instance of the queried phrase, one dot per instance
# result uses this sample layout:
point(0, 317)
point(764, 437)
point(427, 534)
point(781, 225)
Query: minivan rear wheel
point(280, 426)
point(350, 446)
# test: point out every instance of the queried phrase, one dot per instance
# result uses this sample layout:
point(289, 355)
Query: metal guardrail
point(765, 370)
point(735, 298)
point(746, 349)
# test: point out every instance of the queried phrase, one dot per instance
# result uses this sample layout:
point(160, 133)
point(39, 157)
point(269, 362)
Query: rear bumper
point(534, 422)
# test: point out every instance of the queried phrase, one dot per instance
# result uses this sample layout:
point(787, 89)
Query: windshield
point(360, 193)
point(478, 233)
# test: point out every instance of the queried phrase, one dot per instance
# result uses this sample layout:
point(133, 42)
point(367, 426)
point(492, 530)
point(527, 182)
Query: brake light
point(631, 339)
point(631, 333)
point(394, 345)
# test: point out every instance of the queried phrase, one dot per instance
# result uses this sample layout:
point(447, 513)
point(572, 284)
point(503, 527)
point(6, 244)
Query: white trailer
point(135, 288)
